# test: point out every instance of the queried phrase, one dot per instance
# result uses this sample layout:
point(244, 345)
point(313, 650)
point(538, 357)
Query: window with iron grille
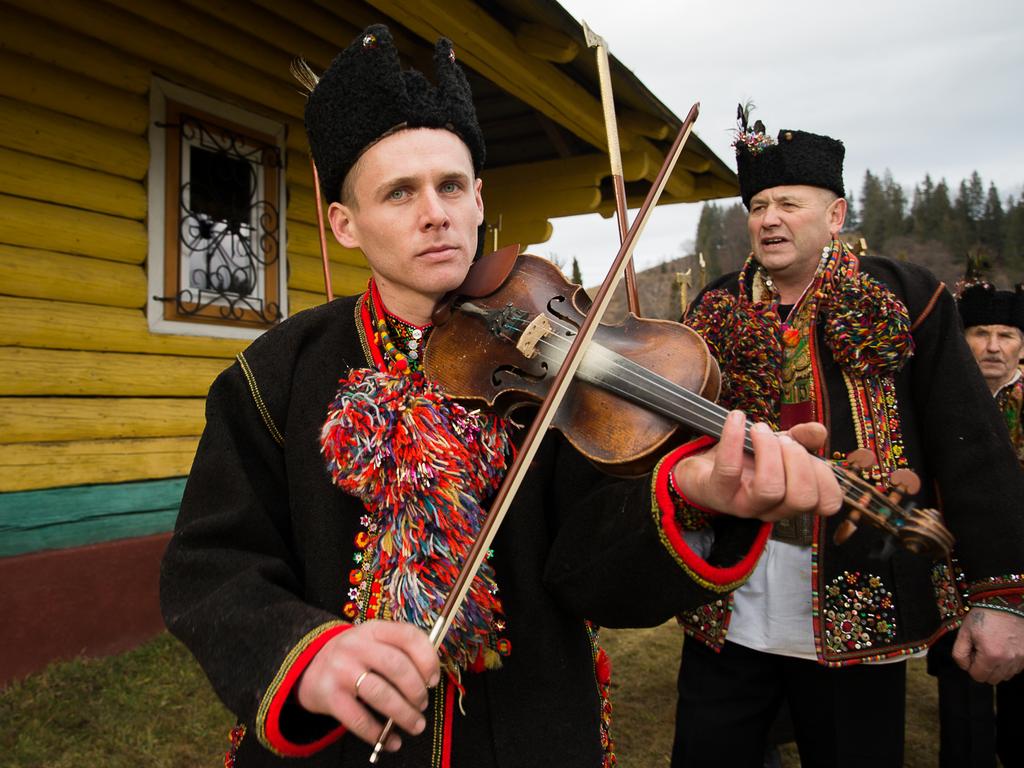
point(216, 186)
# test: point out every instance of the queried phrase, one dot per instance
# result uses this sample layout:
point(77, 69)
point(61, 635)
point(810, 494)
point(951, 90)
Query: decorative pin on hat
point(795, 157)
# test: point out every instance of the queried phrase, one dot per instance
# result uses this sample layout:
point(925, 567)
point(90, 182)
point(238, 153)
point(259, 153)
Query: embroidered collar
point(864, 325)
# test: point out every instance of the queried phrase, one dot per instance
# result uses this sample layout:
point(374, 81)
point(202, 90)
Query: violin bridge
point(538, 328)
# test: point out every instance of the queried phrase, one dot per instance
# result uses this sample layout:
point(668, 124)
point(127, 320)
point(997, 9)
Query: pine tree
point(709, 237)
point(577, 275)
point(852, 223)
point(873, 211)
point(896, 205)
point(1013, 237)
point(735, 239)
point(991, 228)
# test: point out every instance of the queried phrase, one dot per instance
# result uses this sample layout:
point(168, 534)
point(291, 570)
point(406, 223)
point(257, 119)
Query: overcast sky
point(907, 85)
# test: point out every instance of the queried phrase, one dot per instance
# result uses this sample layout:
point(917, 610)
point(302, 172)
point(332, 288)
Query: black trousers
point(842, 717)
point(971, 730)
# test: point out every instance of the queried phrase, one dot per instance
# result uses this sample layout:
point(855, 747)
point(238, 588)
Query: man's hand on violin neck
point(783, 478)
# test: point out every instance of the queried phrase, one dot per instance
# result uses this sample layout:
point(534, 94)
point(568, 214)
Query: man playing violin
point(807, 332)
point(336, 491)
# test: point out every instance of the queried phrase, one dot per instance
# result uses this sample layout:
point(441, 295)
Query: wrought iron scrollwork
point(228, 235)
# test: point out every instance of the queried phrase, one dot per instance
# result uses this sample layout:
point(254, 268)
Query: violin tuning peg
point(845, 530)
point(905, 482)
point(862, 458)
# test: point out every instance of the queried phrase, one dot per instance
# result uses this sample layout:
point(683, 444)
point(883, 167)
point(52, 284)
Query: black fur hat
point(796, 157)
point(364, 95)
point(982, 304)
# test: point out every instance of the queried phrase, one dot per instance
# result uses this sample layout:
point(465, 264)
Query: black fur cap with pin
point(795, 157)
point(364, 95)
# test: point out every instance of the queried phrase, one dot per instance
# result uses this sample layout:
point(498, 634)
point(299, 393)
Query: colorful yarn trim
point(421, 464)
point(744, 338)
point(755, 141)
point(865, 326)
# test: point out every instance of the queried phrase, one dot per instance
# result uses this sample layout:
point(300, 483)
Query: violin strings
point(704, 414)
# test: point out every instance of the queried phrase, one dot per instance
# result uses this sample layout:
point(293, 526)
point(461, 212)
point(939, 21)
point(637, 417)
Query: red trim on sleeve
point(664, 477)
point(674, 536)
point(272, 727)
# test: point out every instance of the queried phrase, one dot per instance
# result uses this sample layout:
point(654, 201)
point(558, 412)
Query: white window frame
point(162, 91)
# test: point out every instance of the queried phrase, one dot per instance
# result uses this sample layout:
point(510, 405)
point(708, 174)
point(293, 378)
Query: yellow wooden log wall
point(36, 372)
point(29, 466)
point(85, 384)
point(38, 274)
point(58, 419)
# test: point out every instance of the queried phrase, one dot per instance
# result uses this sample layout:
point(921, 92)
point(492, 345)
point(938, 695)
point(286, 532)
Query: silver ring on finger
point(360, 679)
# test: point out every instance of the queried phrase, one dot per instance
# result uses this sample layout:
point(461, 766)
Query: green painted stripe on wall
point(90, 514)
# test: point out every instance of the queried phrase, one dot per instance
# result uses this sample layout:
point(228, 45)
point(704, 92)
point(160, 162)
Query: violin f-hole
point(562, 316)
point(511, 370)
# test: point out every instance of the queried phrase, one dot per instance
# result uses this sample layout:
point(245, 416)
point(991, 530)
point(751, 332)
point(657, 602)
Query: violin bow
point(328, 290)
point(546, 412)
point(611, 126)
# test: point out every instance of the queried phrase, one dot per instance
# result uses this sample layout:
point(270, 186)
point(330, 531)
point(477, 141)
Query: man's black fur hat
point(796, 157)
point(364, 95)
point(982, 304)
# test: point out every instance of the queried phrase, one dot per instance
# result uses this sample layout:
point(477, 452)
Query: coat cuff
point(282, 726)
point(985, 590)
point(666, 511)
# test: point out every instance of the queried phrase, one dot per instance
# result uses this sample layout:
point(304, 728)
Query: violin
point(642, 387)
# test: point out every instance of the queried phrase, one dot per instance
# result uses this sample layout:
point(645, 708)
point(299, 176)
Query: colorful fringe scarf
point(866, 328)
point(421, 464)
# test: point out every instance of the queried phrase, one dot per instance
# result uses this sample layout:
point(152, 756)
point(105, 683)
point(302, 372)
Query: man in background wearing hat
point(871, 348)
point(324, 521)
point(971, 734)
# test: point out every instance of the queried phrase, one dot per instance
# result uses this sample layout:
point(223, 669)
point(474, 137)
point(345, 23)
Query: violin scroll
point(921, 531)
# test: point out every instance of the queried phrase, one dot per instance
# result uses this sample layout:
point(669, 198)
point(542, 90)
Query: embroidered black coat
point(257, 572)
point(956, 441)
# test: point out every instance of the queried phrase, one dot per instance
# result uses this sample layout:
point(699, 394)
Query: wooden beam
point(525, 233)
point(27, 466)
point(306, 273)
point(52, 43)
point(37, 372)
point(543, 203)
point(644, 124)
point(273, 25)
point(487, 46)
point(566, 173)
point(39, 131)
point(71, 93)
point(38, 274)
point(51, 181)
point(301, 300)
point(57, 518)
point(304, 239)
point(173, 51)
point(43, 419)
point(71, 230)
point(546, 43)
point(64, 325)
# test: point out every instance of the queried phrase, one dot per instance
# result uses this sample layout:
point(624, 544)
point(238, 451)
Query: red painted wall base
point(93, 601)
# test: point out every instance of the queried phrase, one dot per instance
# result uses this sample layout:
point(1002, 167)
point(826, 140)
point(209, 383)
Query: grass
point(644, 667)
point(153, 707)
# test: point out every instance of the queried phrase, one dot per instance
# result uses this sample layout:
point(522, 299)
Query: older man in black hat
point(994, 328)
point(324, 520)
point(807, 332)
point(971, 732)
